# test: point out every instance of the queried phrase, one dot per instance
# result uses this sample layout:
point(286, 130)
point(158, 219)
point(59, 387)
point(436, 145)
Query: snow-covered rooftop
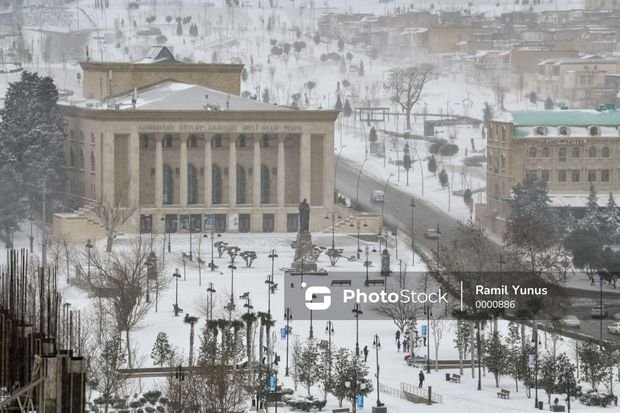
point(586, 117)
point(179, 96)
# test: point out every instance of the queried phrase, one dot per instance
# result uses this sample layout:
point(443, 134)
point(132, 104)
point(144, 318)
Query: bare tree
point(438, 327)
point(406, 85)
point(403, 314)
point(122, 278)
point(500, 90)
point(113, 213)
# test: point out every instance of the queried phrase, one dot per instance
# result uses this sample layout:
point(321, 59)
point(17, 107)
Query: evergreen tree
point(592, 218)
point(461, 340)
point(533, 97)
point(338, 106)
point(610, 217)
point(514, 360)
point(342, 359)
point(487, 113)
point(348, 111)
point(495, 357)
point(162, 351)
point(432, 164)
point(443, 178)
point(566, 377)
point(31, 146)
point(548, 375)
point(594, 363)
point(307, 364)
point(179, 29)
point(372, 135)
point(548, 103)
point(407, 161)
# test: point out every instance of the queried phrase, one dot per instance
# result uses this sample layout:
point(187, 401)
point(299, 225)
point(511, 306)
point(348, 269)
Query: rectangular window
point(244, 222)
point(530, 174)
point(545, 175)
point(220, 223)
point(591, 176)
point(268, 222)
point(562, 175)
point(575, 175)
point(605, 175)
point(146, 224)
point(292, 222)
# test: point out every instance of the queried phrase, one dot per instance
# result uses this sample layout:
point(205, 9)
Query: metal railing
point(420, 392)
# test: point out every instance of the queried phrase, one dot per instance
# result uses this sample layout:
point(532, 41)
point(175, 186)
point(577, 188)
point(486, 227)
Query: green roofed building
point(569, 149)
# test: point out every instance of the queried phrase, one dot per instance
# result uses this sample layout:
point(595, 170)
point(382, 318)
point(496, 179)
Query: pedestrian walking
point(421, 377)
point(397, 335)
point(405, 344)
point(365, 353)
point(398, 346)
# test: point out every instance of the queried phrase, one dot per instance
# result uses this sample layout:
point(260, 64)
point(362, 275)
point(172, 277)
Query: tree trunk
point(128, 348)
point(191, 344)
point(409, 118)
point(109, 242)
point(473, 357)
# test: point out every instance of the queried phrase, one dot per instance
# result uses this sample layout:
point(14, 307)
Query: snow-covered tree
point(461, 340)
point(592, 218)
point(338, 105)
point(443, 178)
point(348, 111)
point(407, 84)
point(307, 364)
point(407, 161)
point(495, 357)
point(610, 217)
point(548, 103)
point(548, 375)
point(431, 164)
point(162, 351)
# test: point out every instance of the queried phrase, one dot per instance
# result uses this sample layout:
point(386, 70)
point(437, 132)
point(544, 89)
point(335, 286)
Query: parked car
point(431, 233)
point(599, 312)
point(377, 196)
point(571, 321)
point(614, 328)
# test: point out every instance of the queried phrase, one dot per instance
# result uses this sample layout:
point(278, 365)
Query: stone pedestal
point(381, 409)
point(305, 258)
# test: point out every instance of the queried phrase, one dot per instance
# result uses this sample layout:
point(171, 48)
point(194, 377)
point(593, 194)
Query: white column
point(159, 172)
point(108, 168)
point(183, 169)
point(208, 171)
point(232, 171)
point(281, 183)
point(134, 169)
point(329, 165)
point(257, 173)
point(304, 167)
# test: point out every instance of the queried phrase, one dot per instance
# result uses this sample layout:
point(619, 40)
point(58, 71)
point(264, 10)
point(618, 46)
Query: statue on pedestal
point(304, 216)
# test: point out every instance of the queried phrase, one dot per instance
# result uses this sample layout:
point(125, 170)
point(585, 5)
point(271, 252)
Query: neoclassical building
point(178, 143)
point(569, 149)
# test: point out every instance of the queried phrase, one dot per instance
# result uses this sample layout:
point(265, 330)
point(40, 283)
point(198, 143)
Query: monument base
point(304, 260)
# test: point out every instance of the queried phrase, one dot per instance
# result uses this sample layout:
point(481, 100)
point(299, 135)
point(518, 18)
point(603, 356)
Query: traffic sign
point(423, 330)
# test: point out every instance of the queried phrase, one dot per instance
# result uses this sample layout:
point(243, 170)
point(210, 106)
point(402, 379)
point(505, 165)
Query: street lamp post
point(358, 236)
point(376, 343)
point(601, 311)
point(311, 332)
point(211, 291)
point(190, 238)
point(535, 337)
point(31, 237)
point(272, 255)
point(212, 265)
point(329, 329)
point(357, 190)
point(176, 275)
point(438, 235)
point(287, 316)
point(357, 311)
point(367, 263)
point(428, 313)
point(231, 305)
point(89, 246)
point(421, 169)
point(387, 183)
point(412, 205)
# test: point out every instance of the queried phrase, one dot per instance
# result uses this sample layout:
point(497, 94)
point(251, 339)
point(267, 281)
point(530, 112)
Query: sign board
point(233, 222)
point(360, 401)
point(272, 383)
point(283, 333)
point(423, 330)
point(531, 360)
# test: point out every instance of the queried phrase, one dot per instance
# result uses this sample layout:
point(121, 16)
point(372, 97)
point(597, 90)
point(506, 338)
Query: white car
point(432, 233)
point(614, 328)
point(571, 321)
point(377, 196)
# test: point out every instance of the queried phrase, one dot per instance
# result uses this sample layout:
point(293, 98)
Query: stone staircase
point(79, 225)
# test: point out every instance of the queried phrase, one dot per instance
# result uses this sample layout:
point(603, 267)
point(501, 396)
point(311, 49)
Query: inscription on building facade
point(217, 127)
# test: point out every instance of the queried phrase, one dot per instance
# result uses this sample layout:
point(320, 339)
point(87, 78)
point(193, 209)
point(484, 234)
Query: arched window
point(592, 152)
point(93, 164)
point(503, 162)
point(576, 153)
point(217, 141)
point(562, 154)
point(192, 185)
point(216, 185)
point(240, 184)
point(241, 141)
point(564, 131)
point(167, 141)
point(81, 160)
point(533, 152)
point(265, 141)
point(540, 130)
point(264, 184)
point(594, 130)
point(545, 152)
point(192, 142)
point(605, 152)
point(71, 158)
point(168, 185)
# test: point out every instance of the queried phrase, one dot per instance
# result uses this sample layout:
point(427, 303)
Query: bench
point(455, 378)
point(504, 394)
point(341, 282)
point(557, 408)
point(374, 282)
point(177, 309)
point(352, 258)
point(342, 410)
